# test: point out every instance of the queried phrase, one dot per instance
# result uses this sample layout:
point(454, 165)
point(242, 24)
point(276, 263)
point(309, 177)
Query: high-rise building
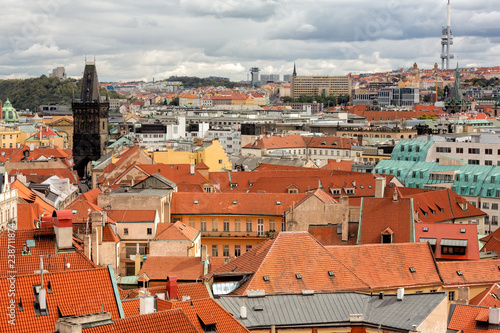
point(59, 72)
point(446, 40)
point(254, 71)
point(90, 118)
point(320, 85)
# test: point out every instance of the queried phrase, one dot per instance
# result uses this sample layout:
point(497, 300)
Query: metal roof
point(453, 242)
point(332, 309)
point(431, 241)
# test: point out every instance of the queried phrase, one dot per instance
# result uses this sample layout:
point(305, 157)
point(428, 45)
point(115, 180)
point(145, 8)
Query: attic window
point(234, 268)
point(462, 231)
point(195, 202)
point(425, 229)
point(369, 186)
point(361, 187)
point(413, 270)
point(278, 202)
point(298, 276)
point(235, 202)
point(459, 273)
point(266, 278)
point(331, 273)
point(323, 143)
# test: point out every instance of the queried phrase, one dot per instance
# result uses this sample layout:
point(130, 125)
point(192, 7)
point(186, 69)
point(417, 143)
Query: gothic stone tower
point(90, 119)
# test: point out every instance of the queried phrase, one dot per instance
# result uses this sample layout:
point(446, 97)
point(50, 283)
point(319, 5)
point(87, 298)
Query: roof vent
point(298, 276)
point(195, 202)
point(462, 231)
point(331, 273)
point(381, 295)
point(400, 294)
point(258, 307)
point(235, 202)
point(459, 273)
point(412, 269)
point(307, 292)
point(265, 277)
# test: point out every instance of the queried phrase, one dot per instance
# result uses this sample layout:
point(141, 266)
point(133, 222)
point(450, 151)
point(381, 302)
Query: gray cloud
point(156, 38)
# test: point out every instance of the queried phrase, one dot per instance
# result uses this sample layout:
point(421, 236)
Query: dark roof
point(333, 309)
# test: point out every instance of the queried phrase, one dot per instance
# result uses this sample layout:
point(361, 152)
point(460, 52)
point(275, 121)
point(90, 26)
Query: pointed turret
point(90, 85)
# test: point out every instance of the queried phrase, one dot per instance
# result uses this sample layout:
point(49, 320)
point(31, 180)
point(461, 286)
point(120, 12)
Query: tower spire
point(446, 40)
point(294, 70)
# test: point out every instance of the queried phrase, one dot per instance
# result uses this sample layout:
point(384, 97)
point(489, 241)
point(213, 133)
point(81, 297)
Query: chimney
point(401, 294)
point(203, 253)
point(395, 195)
point(344, 202)
point(494, 317)
point(191, 169)
point(172, 287)
point(379, 187)
point(63, 228)
point(147, 304)
point(138, 259)
point(243, 311)
point(381, 295)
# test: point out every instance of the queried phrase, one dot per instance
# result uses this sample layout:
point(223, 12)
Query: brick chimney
point(380, 187)
point(172, 287)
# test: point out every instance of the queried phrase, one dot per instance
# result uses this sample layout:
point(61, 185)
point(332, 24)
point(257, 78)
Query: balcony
point(252, 234)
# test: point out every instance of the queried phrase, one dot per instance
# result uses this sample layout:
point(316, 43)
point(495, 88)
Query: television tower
point(446, 40)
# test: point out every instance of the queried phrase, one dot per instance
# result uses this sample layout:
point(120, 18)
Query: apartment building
point(320, 85)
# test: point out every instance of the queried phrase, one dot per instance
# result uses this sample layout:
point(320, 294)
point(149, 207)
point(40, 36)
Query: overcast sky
point(160, 38)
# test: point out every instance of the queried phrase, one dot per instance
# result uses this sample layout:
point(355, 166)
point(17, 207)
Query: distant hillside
point(33, 92)
point(196, 82)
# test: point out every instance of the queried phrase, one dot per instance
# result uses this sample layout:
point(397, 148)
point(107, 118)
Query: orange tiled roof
point(69, 295)
point(233, 203)
point(381, 213)
point(282, 257)
point(185, 268)
point(171, 321)
point(328, 236)
point(474, 272)
point(384, 266)
point(108, 235)
point(278, 142)
point(44, 245)
point(338, 165)
point(489, 297)
point(440, 231)
point(493, 244)
point(132, 215)
point(330, 142)
point(175, 231)
point(209, 312)
point(193, 290)
point(30, 197)
point(464, 319)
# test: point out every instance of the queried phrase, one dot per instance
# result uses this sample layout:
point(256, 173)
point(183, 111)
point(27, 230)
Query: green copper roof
point(411, 150)
point(9, 114)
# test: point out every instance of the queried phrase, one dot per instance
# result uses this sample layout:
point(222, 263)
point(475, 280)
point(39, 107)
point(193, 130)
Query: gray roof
point(153, 192)
point(332, 309)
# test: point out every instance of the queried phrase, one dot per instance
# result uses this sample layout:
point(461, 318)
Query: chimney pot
point(172, 289)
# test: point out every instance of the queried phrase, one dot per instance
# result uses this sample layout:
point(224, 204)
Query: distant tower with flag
point(446, 40)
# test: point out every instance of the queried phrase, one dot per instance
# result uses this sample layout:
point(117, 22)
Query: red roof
point(233, 203)
point(439, 231)
point(278, 142)
point(386, 266)
point(378, 214)
point(45, 244)
point(195, 291)
point(159, 268)
point(473, 272)
point(71, 293)
point(61, 173)
point(489, 297)
point(338, 165)
point(330, 142)
point(132, 215)
point(284, 256)
point(175, 231)
point(464, 319)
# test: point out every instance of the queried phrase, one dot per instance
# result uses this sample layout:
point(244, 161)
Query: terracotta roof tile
point(132, 215)
point(108, 235)
point(381, 213)
point(63, 299)
point(175, 231)
point(194, 290)
point(384, 266)
point(44, 240)
point(464, 319)
point(185, 268)
point(285, 255)
point(489, 297)
point(474, 272)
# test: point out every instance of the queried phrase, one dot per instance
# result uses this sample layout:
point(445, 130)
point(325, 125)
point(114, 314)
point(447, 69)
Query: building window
point(203, 224)
point(220, 161)
point(494, 206)
point(272, 225)
point(260, 227)
point(474, 162)
point(225, 250)
point(453, 250)
point(215, 226)
point(488, 162)
point(486, 205)
point(474, 151)
point(125, 231)
point(460, 150)
point(191, 222)
point(488, 151)
point(226, 225)
point(249, 225)
point(237, 250)
point(494, 220)
point(249, 248)
point(150, 231)
point(451, 296)
point(215, 251)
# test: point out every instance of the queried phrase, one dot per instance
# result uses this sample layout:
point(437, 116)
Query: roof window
point(413, 270)
point(266, 278)
point(462, 231)
point(278, 202)
point(195, 202)
point(459, 273)
point(331, 273)
point(298, 276)
point(425, 229)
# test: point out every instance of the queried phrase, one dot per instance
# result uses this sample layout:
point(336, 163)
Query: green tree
point(175, 101)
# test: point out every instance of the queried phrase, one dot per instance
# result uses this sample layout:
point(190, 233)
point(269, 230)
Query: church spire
point(294, 70)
